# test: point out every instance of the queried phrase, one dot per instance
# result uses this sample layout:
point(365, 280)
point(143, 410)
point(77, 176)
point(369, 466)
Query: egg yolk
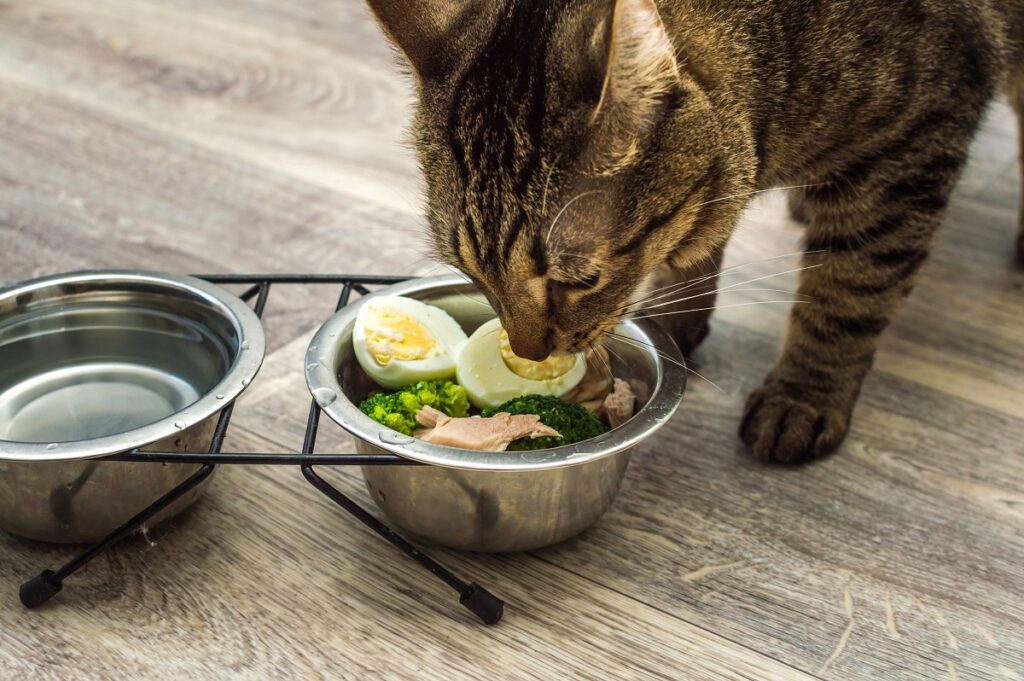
point(394, 335)
point(552, 367)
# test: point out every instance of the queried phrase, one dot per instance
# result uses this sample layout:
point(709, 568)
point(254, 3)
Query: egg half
point(399, 341)
point(492, 374)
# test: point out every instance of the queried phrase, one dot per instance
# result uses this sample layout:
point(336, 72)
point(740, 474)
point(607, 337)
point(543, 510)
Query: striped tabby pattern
point(576, 149)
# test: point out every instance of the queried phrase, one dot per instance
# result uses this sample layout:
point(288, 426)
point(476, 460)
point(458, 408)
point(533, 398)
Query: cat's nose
point(529, 343)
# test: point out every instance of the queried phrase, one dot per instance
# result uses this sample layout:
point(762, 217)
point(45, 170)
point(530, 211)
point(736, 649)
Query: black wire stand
point(40, 589)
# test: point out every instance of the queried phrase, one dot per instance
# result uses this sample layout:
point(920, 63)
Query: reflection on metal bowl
point(98, 363)
point(493, 501)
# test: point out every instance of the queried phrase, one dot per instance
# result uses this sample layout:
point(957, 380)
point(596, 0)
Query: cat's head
point(567, 154)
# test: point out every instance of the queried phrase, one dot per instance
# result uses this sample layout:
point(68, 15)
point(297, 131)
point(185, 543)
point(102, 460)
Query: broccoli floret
point(572, 421)
point(397, 410)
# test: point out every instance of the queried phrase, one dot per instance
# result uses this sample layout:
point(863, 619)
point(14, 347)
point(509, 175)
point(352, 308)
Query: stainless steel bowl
point(98, 363)
point(493, 501)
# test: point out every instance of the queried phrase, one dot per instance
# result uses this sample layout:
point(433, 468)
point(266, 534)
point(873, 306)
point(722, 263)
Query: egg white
point(481, 370)
point(400, 373)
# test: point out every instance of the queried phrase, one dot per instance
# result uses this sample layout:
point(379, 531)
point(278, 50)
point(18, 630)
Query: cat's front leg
point(866, 242)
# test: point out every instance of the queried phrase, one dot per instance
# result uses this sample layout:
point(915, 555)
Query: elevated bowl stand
point(47, 584)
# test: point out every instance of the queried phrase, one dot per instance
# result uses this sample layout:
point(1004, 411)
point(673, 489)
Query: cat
point(574, 149)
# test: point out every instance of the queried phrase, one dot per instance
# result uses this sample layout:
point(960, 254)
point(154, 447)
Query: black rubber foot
point(483, 603)
point(38, 590)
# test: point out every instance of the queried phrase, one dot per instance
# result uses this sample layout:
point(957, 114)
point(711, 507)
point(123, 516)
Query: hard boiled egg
point(492, 374)
point(399, 341)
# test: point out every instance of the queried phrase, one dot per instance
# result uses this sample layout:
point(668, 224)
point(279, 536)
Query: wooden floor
point(258, 135)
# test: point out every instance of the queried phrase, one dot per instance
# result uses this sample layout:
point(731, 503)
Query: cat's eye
point(587, 282)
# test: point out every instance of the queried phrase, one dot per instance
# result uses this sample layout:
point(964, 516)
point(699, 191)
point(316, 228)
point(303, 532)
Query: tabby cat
point(575, 148)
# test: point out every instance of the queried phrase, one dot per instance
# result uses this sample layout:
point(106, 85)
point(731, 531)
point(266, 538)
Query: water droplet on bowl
point(332, 334)
point(393, 437)
point(312, 348)
point(52, 446)
point(220, 397)
point(311, 366)
point(246, 381)
point(179, 424)
point(245, 345)
point(324, 396)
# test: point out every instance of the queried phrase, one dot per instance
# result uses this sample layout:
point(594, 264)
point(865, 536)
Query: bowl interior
point(106, 357)
point(629, 360)
point(339, 384)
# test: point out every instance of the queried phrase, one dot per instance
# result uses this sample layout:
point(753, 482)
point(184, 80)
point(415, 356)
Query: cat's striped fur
point(574, 148)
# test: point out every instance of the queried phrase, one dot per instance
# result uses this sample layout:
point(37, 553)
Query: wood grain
point(253, 135)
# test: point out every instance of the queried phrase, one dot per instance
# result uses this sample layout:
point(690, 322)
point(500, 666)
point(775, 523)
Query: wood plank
point(254, 135)
point(305, 592)
point(913, 509)
point(80, 189)
point(918, 499)
point(330, 113)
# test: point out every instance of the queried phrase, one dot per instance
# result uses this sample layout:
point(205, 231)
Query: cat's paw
point(782, 424)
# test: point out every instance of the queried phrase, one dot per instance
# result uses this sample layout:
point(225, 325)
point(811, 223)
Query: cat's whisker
point(751, 193)
point(769, 276)
point(719, 307)
point(428, 261)
point(723, 289)
point(635, 342)
point(639, 343)
point(761, 261)
point(690, 283)
point(460, 275)
point(547, 237)
point(607, 346)
point(547, 183)
point(604, 359)
point(477, 302)
point(466, 279)
point(441, 265)
point(728, 270)
point(646, 301)
point(709, 293)
point(559, 254)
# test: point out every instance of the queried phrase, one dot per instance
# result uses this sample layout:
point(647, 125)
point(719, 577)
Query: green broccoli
point(397, 410)
point(572, 421)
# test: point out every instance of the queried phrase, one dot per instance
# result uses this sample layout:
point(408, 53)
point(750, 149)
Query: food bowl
point(493, 501)
point(98, 363)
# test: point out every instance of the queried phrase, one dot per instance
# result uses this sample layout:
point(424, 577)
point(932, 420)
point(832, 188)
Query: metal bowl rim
point(663, 403)
point(238, 376)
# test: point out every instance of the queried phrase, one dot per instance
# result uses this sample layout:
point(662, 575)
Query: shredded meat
point(619, 404)
point(492, 434)
point(596, 383)
point(428, 417)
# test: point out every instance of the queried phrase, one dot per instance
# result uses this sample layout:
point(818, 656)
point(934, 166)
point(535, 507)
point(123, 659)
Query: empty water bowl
point(99, 363)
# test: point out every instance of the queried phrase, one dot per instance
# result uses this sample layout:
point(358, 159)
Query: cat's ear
point(640, 66)
point(421, 29)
